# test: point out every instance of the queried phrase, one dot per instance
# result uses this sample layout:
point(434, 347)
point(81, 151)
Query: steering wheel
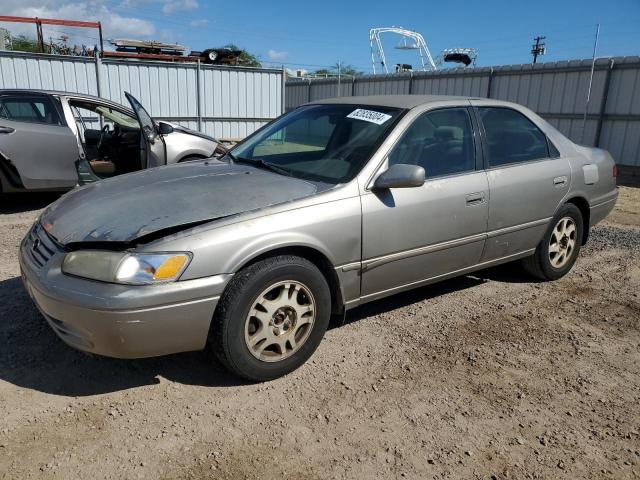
point(103, 134)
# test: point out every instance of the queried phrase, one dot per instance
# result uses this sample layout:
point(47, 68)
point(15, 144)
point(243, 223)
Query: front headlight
point(129, 268)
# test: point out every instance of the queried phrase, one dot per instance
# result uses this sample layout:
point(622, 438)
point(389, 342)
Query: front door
point(151, 140)
point(35, 138)
point(411, 235)
point(528, 179)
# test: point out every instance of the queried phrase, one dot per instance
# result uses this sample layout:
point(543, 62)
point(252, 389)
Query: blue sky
point(313, 34)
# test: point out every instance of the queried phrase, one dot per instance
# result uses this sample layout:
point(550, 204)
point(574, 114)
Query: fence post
point(308, 91)
point(410, 82)
point(283, 86)
point(98, 74)
point(353, 87)
point(198, 96)
point(603, 104)
point(489, 83)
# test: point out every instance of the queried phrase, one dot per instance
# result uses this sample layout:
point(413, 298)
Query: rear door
point(35, 138)
point(527, 179)
point(156, 153)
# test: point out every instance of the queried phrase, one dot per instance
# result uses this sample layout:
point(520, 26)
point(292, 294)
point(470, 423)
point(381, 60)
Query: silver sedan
point(335, 204)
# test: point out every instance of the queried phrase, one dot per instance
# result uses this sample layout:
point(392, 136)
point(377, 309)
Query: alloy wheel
point(562, 243)
point(280, 321)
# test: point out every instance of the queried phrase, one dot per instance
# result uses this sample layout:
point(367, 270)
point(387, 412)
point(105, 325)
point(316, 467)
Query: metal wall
point(557, 91)
point(225, 102)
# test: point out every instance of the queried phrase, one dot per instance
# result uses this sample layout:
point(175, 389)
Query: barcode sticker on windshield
point(369, 116)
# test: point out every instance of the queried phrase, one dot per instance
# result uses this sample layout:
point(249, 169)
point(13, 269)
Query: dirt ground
point(489, 375)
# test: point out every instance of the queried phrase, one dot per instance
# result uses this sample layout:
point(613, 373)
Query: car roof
point(398, 101)
point(49, 92)
point(80, 96)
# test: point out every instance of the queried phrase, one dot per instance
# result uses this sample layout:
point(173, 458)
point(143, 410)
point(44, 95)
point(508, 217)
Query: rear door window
point(511, 137)
point(29, 109)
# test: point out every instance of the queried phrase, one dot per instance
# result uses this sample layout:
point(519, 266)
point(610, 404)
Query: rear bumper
point(122, 321)
point(600, 211)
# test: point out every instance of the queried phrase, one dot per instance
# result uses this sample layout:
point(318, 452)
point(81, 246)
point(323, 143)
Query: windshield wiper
point(258, 162)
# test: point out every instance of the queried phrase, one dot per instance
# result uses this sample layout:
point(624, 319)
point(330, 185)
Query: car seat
point(103, 168)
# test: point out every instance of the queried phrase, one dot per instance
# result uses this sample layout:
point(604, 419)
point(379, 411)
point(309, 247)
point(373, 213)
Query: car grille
point(39, 246)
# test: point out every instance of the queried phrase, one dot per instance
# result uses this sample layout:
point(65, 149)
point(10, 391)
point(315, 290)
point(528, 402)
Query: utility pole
point(537, 48)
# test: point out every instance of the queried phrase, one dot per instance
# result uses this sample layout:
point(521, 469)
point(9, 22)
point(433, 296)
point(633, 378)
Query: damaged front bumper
point(123, 321)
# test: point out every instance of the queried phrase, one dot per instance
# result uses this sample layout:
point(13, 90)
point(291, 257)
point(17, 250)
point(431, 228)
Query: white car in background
point(56, 140)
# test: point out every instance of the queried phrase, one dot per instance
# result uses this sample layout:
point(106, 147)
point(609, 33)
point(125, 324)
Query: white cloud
point(114, 25)
point(276, 55)
point(199, 23)
point(118, 25)
point(171, 6)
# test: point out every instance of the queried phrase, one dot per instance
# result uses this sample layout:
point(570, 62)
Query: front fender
point(331, 228)
point(181, 145)
point(273, 242)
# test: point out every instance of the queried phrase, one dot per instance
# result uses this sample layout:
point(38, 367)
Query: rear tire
point(559, 248)
point(271, 318)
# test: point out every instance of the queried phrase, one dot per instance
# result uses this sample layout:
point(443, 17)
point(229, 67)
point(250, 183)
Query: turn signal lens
point(615, 171)
point(170, 268)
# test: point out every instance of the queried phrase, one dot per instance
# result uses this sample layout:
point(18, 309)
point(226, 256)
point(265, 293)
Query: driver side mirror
point(400, 175)
point(164, 128)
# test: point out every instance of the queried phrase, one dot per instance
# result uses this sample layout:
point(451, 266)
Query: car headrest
point(448, 133)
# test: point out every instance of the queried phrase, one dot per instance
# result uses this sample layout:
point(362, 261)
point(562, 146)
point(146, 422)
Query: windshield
point(326, 143)
point(120, 118)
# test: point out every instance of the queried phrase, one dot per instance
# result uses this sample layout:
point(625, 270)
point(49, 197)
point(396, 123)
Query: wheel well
point(10, 173)
point(187, 158)
point(319, 260)
point(585, 210)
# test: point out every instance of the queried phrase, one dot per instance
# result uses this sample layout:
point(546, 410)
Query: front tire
point(559, 248)
point(271, 318)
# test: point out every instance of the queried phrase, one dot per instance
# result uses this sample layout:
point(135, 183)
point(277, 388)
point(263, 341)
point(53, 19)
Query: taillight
point(615, 171)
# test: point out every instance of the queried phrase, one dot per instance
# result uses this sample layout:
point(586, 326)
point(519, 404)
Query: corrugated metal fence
point(556, 91)
point(225, 102)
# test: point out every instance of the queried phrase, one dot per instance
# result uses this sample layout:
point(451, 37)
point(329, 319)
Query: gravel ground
point(489, 375)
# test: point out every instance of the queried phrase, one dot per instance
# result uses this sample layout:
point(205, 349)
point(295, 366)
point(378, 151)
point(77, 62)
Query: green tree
point(245, 59)
point(343, 69)
point(22, 43)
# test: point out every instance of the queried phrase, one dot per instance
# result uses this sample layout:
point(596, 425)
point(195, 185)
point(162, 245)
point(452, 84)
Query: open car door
point(151, 141)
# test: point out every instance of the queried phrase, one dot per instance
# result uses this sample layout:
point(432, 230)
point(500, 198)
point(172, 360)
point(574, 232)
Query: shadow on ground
point(32, 356)
point(26, 202)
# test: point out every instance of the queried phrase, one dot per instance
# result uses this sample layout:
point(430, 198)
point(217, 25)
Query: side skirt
point(480, 266)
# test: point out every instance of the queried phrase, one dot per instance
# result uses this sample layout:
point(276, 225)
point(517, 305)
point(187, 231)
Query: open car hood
point(141, 204)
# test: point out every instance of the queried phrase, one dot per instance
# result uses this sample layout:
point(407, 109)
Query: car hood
point(150, 202)
point(188, 131)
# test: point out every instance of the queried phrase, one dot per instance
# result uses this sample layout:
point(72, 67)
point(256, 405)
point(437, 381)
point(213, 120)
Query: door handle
point(7, 129)
point(560, 181)
point(476, 198)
